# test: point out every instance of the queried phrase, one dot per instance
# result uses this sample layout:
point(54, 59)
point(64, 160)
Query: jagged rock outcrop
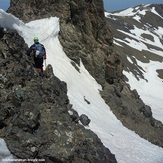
point(85, 35)
point(34, 118)
point(83, 32)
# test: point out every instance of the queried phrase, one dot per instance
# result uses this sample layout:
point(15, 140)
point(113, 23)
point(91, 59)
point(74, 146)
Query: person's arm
point(29, 51)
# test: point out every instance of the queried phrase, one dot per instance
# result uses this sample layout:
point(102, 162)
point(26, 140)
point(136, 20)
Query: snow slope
point(127, 146)
point(151, 90)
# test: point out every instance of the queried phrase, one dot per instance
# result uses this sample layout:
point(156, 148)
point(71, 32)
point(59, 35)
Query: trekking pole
point(45, 63)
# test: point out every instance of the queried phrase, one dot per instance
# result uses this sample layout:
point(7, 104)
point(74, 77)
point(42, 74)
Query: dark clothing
point(33, 49)
point(38, 61)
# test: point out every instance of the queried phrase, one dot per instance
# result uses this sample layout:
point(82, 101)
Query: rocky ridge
point(35, 119)
point(85, 35)
point(83, 32)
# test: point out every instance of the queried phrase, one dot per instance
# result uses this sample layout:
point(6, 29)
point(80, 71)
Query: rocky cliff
point(83, 32)
point(85, 35)
point(35, 119)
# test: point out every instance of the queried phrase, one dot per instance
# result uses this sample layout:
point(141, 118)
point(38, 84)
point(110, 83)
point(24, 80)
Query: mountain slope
point(85, 36)
point(97, 55)
point(35, 115)
point(138, 38)
point(80, 86)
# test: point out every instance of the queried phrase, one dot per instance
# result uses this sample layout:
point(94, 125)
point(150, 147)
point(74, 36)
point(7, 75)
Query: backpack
point(39, 50)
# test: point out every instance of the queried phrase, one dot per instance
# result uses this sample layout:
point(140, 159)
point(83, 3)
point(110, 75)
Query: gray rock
point(84, 119)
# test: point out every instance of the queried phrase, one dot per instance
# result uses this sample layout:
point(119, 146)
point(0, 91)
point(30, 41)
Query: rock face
point(34, 118)
point(85, 35)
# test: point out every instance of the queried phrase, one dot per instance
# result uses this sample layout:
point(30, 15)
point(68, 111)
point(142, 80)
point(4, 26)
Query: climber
point(39, 54)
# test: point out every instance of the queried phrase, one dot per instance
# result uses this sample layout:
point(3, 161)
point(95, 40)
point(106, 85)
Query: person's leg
point(40, 66)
